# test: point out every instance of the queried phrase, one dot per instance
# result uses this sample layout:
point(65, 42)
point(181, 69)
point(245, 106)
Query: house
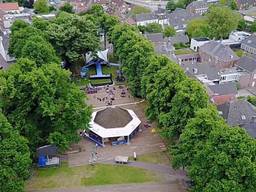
point(249, 44)
point(198, 42)
point(179, 37)
point(161, 44)
point(204, 73)
point(10, 7)
point(145, 19)
point(197, 7)
point(179, 18)
point(217, 54)
point(222, 93)
point(240, 113)
point(248, 65)
point(245, 4)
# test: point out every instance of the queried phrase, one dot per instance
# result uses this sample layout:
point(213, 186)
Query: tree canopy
point(169, 31)
point(40, 101)
point(14, 158)
point(41, 6)
point(67, 7)
point(153, 28)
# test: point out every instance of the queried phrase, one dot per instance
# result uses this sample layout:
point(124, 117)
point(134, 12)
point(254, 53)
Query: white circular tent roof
point(115, 131)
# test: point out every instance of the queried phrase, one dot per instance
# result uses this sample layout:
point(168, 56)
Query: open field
point(155, 157)
point(88, 175)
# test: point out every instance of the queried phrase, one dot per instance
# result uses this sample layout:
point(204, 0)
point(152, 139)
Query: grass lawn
point(68, 177)
point(155, 157)
point(81, 82)
point(183, 51)
point(239, 52)
point(100, 81)
point(139, 10)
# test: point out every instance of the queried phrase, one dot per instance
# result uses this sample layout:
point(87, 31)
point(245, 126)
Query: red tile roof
point(9, 6)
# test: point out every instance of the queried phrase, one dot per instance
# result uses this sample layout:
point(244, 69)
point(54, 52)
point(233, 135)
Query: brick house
point(245, 4)
point(217, 54)
point(10, 7)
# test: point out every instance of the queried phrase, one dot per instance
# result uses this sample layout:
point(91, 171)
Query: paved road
point(147, 187)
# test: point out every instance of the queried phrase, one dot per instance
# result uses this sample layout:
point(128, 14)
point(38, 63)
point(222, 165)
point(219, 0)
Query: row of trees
point(217, 23)
point(39, 103)
point(216, 156)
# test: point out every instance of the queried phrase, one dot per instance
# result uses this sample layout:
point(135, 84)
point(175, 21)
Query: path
point(146, 187)
point(119, 105)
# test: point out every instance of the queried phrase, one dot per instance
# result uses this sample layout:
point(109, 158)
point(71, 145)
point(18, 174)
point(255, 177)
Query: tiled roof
point(247, 63)
point(250, 41)
point(9, 6)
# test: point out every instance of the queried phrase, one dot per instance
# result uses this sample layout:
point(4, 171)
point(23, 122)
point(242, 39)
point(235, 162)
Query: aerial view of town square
point(127, 96)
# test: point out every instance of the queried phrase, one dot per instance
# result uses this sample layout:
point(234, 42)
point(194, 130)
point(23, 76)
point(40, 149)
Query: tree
point(226, 162)
point(59, 140)
point(189, 97)
point(169, 31)
point(67, 7)
point(198, 28)
point(73, 36)
point(171, 5)
point(40, 23)
point(154, 28)
point(163, 89)
point(221, 21)
point(233, 5)
point(39, 50)
point(40, 101)
point(253, 27)
point(14, 158)
point(18, 24)
point(41, 6)
point(195, 135)
point(241, 25)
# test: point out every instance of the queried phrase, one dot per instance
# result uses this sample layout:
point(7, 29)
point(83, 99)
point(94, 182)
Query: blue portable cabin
point(48, 156)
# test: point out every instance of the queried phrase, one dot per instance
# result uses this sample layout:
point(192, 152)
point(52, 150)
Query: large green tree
point(73, 36)
point(14, 158)
point(190, 96)
point(154, 28)
point(221, 21)
point(163, 89)
point(198, 28)
point(67, 7)
point(41, 6)
point(40, 101)
point(226, 162)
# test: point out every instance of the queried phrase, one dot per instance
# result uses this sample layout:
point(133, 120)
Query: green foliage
point(41, 6)
point(14, 158)
point(40, 23)
point(39, 101)
point(59, 140)
point(134, 53)
point(169, 31)
point(73, 36)
point(253, 27)
point(252, 100)
point(162, 87)
point(198, 28)
point(154, 28)
point(189, 97)
point(242, 25)
point(221, 21)
point(67, 7)
point(18, 24)
point(233, 5)
point(171, 5)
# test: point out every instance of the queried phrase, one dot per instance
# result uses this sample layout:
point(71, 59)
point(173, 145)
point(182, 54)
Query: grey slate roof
point(224, 88)
point(156, 37)
point(250, 41)
point(3, 63)
point(145, 17)
point(222, 52)
point(247, 63)
point(193, 69)
point(179, 18)
point(179, 37)
point(240, 113)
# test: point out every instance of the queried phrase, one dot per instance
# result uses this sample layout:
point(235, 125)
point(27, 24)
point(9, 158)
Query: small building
point(239, 36)
point(10, 7)
point(240, 113)
point(197, 7)
point(113, 125)
point(145, 19)
point(249, 44)
point(222, 93)
point(196, 43)
point(48, 156)
point(217, 54)
point(248, 66)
